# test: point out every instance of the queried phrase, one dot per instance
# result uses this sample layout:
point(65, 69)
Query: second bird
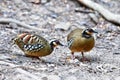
point(81, 40)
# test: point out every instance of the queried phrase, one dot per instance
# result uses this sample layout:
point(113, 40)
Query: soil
point(50, 17)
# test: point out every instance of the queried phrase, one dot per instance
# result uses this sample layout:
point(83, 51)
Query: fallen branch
point(34, 77)
point(10, 20)
point(115, 18)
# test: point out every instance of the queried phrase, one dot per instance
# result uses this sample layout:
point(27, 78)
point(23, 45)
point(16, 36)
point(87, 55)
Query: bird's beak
point(95, 31)
point(61, 44)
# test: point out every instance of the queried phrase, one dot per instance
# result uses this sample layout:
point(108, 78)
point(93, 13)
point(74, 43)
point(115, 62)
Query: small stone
point(44, 78)
point(53, 77)
point(33, 24)
point(116, 53)
point(111, 28)
point(35, 17)
point(44, 1)
point(23, 77)
point(76, 60)
point(71, 78)
point(13, 25)
point(117, 78)
point(51, 65)
point(94, 17)
point(4, 57)
point(54, 15)
point(73, 70)
point(63, 25)
point(10, 7)
point(104, 77)
point(73, 61)
point(18, 1)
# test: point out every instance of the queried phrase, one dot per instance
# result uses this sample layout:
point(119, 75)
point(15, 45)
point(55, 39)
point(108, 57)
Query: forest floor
point(54, 20)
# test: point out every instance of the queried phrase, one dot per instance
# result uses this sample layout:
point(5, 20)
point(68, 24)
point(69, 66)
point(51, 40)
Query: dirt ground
point(54, 20)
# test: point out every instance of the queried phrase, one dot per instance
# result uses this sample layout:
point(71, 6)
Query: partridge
point(34, 45)
point(81, 40)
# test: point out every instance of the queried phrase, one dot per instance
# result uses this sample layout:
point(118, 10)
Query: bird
point(35, 45)
point(81, 40)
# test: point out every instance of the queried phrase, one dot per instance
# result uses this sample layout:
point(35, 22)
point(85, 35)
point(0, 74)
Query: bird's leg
point(73, 56)
point(83, 57)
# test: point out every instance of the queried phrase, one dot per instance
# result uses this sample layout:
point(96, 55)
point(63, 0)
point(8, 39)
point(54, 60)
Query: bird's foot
point(72, 60)
point(85, 59)
point(34, 58)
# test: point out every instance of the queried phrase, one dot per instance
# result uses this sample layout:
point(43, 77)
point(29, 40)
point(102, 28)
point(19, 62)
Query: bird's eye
point(54, 43)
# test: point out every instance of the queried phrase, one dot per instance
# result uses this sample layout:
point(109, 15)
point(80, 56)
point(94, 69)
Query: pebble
point(94, 17)
point(117, 78)
point(111, 28)
point(74, 61)
point(44, 1)
point(63, 25)
point(106, 68)
point(18, 1)
point(73, 70)
point(33, 24)
point(54, 15)
point(116, 53)
point(23, 77)
point(35, 17)
point(51, 77)
point(51, 65)
point(4, 57)
point(71, 78)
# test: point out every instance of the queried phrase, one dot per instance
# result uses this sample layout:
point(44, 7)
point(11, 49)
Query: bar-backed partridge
point(81, 40)
point(35, 45)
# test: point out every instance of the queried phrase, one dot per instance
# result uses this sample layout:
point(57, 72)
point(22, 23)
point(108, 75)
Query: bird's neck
point(51, 45)
point(85, 35)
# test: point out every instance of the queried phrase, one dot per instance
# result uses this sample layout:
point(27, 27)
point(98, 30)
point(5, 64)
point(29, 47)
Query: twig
point(10, 20)
point(34, 77)
point(115, 18)
point(83, 11)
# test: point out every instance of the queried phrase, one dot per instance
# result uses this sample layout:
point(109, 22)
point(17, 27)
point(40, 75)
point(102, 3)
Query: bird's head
point(88, 32)
point(55, 43)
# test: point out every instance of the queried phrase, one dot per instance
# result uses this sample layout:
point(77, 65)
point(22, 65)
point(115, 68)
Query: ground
point(54, 20)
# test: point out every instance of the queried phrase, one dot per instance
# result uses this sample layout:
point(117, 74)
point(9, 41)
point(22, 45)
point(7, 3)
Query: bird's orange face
point(56, 43)
point(90, 31)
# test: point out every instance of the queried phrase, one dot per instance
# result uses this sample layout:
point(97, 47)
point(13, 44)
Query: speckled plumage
point(33, 45)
